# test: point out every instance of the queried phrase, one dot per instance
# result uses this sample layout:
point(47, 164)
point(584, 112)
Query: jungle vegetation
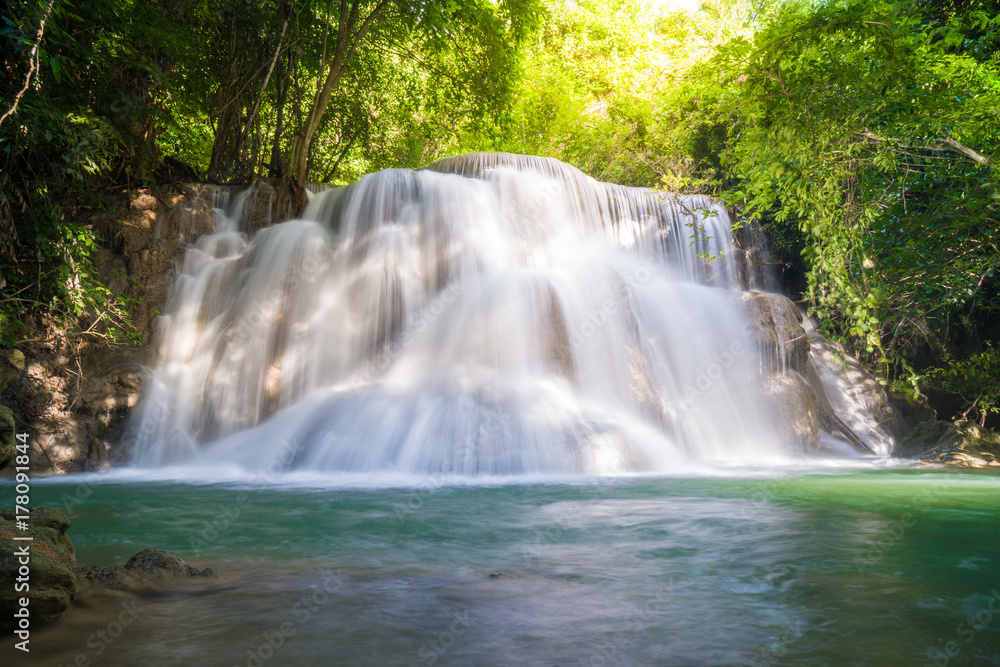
point(862, 134)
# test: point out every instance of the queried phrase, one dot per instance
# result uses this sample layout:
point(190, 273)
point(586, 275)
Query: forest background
point(863, 135)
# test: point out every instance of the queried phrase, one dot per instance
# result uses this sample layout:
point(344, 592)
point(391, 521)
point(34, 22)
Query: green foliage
point(975, 379)
point(608, 87)
point(863, 134)
point(224, 86)
point(84, 121)
point(870, 127)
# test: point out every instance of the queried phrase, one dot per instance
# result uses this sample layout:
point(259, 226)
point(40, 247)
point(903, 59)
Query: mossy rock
point(147, 566)
point(52, 583)
point(8, 444)
point(11, 365)
point(959, 443)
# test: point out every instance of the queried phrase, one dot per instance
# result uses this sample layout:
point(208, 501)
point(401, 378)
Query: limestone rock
point(51, 580)
point(73, 397)
point(960, 443)
point(795, 409)
point(775, 324)
point(147, 566)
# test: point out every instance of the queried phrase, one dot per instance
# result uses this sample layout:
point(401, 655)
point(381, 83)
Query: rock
point(912, 411)
point(147, 566)
point(52, 583)
point(960, 443)
point(8, 445)
point(795, 409)
point(261, 206)
point(11, 365)
point(852, 401)
point(74, 396)
point(156, 563)
point(775, 324)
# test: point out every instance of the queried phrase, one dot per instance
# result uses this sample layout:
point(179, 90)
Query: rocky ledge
point(963, 444)
point(54, 580)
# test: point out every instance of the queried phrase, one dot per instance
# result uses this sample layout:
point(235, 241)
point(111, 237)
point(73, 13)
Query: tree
point(873, 128)
point(474, 27)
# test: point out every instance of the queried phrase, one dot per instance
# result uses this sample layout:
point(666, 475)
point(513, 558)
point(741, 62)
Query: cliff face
point(72, 394)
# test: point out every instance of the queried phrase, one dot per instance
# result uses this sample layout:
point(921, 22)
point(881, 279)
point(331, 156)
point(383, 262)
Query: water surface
point(823, 566)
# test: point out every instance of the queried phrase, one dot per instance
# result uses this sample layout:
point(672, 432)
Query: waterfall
point(491, 314)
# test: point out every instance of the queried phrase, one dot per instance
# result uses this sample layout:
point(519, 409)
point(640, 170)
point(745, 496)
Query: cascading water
point(492, 314)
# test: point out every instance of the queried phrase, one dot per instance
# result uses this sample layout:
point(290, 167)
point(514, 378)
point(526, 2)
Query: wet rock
point(852, 401)
point(958, 443)
point(147, 566)
point(795, 409)
point(52, 584)
point(775, 324)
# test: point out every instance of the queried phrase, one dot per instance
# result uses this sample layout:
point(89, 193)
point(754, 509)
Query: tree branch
point(945, 145)
point(32, 62)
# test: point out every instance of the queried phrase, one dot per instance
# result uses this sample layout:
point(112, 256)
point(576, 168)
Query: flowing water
point(497, 413)
point(490, 315)
point(808, 566)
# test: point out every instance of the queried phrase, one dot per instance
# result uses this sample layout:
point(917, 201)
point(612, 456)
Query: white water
point(510, 317)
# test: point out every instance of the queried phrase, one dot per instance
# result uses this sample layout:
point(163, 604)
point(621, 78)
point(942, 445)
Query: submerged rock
point(147, 566)
point(960, 443)
point(52, 585)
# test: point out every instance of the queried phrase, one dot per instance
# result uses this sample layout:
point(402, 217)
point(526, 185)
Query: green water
point(857, 567)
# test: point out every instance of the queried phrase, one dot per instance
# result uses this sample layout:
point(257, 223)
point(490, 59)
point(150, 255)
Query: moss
point(52, 581)
point(8, 445)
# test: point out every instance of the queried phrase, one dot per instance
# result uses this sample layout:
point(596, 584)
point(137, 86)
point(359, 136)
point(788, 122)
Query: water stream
point(490, 315)
point(460, 416)
point(834, 565)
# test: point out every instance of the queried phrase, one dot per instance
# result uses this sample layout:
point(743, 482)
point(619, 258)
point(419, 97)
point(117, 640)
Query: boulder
point(146, 567)
point(52, 584)
point(796, 410)
point(11, 365)
point(959, 443)
point(775, 324)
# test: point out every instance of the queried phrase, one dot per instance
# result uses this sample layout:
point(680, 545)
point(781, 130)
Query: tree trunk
point(291, 196)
